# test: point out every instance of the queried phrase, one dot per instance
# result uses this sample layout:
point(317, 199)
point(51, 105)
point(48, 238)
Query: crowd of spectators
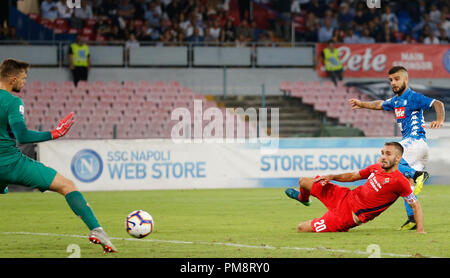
point(398, 22)
point(174, 22)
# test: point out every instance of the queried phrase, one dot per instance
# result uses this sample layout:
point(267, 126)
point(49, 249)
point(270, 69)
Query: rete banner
point(375, 60)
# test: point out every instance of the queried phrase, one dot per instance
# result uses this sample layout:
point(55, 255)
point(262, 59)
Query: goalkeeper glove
point(63, 126)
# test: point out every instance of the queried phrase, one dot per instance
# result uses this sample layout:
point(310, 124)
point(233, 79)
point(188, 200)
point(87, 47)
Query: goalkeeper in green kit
point(16, 168)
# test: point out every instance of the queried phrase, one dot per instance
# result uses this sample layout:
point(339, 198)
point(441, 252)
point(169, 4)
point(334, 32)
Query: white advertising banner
point(96, 165)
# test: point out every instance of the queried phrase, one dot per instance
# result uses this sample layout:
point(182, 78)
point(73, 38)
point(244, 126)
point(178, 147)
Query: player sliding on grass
point(349, 208)
point(408, 106)
point(16, 168)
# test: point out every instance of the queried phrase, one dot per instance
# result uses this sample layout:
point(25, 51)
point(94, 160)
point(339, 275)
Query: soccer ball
point(139, 223)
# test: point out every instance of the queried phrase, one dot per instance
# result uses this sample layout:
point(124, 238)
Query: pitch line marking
point(222, 244)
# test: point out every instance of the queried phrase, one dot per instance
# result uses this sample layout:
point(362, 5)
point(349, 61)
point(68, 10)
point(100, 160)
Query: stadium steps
point(295, 118)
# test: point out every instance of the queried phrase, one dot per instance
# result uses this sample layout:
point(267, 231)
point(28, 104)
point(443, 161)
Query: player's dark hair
point(12, 67)
point(397, 145)
point(396, 69)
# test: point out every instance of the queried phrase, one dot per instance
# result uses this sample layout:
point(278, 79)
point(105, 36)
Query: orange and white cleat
point(99, 236)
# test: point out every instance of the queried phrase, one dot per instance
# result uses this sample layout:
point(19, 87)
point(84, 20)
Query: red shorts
point(339, 216)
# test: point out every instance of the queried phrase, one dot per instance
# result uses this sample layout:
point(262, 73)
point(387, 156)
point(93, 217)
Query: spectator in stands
point(409, 39)
point(330, 14)
point(12, 34)
point(431, 39)
point(283, 22)
point(388, 36)
point(312, 20)
point(375, 28)
point(244, 29)
point(152, 15)
point(419, 28)
point(2, 33)
point(108, 8)
point(228, 33)
point(256, 31)
point(338, 36)
point(79, 60)
point(132, 42)
point(193, 23)
point(330, 58)
point(214, 30)
point(241, 41)
point(435, 14)
point(196, 38)
point(326, 31)
point(244, 9)
point(85, 12)
point(126, 9)
point(181, 38)
point(116, 34)
point(390, 17)
point(310, 34)
point(140, 7)
point(345, 17)
point(359, 20)
point(49, 10)
point(370, 14)
point(317, 8)
point(210, 39)
point(351, 37)
point(63, 10)
point(269, 39)
point(443, 38)
point(445, 23)
point(173, 9)
point(366, 38)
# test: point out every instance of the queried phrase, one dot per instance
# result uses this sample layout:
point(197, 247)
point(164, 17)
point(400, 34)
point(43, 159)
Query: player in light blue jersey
point(408, 106)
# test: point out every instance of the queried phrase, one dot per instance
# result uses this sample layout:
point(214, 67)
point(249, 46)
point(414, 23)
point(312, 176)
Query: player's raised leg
point(417, 180)
point(302, 195)
point(81, 208)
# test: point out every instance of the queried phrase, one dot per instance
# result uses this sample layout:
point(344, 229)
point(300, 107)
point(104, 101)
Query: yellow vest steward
point(80, 54)
point(332, 61)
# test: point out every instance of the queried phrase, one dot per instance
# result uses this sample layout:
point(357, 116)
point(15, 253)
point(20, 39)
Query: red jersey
point(379, 192)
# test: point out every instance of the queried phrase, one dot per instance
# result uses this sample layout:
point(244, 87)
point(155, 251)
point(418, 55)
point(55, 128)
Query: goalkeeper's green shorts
point(27, 172)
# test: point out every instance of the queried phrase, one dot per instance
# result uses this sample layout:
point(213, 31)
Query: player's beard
point(387, 166)
point(400, 90)
point(16, 88)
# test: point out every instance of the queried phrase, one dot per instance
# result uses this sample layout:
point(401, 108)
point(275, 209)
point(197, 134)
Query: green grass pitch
point(214, 223)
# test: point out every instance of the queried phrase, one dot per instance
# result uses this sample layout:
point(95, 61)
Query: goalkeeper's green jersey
point(13, 129)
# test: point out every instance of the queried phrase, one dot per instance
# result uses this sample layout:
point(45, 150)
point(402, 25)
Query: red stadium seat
point(72, 31)
point(46, 23)
point(87, 33)
point(34, 16)
point(90, 23)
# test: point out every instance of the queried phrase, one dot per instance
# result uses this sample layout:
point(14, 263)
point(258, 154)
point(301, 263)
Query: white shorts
point(415, 153)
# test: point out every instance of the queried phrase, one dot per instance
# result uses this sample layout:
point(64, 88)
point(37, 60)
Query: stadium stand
point(333, 101)
point(113, 110)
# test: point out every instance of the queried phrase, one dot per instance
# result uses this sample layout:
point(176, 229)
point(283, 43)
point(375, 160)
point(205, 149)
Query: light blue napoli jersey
point(408, 110)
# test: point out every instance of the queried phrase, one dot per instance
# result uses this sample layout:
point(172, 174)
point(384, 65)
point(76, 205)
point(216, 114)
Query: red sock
point(304, 195)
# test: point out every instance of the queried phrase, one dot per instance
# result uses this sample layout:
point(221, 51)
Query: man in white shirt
point(49, 10)
point(431, 39)
point(84, 12)
point(63, 10)
point(326, 31)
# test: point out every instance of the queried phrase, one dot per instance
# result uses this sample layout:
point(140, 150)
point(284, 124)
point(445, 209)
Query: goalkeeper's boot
point(3, 189)
point(410, 224)
point(99, 236)
point(419, 179)
point(295, 194)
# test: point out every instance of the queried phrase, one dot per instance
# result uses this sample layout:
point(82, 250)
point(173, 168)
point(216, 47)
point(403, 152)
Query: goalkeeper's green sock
point(81, 208)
